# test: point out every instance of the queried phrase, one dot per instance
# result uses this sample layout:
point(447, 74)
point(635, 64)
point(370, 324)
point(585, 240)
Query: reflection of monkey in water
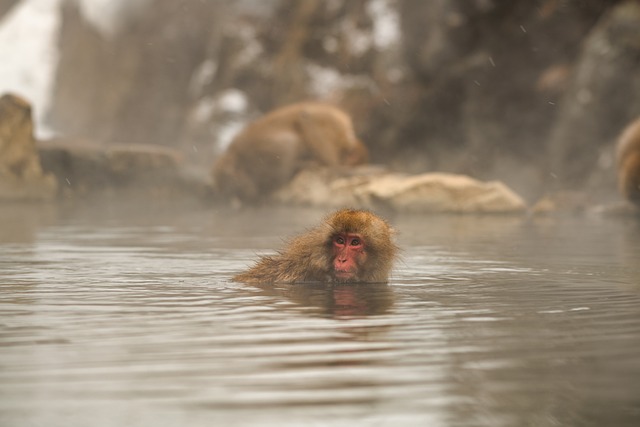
point(335, 300)
point(628, 153)
point(349, 246)
point(270, 151)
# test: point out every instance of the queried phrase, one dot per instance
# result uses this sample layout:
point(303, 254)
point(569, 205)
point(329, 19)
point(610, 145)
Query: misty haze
point(158, 157)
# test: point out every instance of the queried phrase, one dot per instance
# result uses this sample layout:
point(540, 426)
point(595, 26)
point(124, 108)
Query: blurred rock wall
point(132, 86)
point(491, 88)
point(6, 5)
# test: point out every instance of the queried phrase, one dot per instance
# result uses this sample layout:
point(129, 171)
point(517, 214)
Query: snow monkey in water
point(628, 154)
point(267, 153)
point(349, 246)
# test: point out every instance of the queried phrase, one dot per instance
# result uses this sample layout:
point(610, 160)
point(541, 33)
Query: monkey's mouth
point(343, 275)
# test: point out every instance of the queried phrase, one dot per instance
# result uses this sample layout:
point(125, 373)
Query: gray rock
point(84, 168)
point(423, 193)
point(21, 176)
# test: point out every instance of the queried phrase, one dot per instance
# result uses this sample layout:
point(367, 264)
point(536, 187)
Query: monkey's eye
point(355, 242)
point(340, 240)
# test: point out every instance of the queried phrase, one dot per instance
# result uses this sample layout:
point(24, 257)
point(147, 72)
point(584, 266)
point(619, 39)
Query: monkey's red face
point(348, 255)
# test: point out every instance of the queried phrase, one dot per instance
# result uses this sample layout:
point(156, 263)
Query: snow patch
point(108, 16)
point(233, 101)
point(325, 80)
point(28, 37)
point(386, 23)
point(227, 132)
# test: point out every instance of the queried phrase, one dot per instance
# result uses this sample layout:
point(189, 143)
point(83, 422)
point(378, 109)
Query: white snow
point(386, 23)
point(28, 46)
point(233, 101)
point(108, 15)
point(28, 57)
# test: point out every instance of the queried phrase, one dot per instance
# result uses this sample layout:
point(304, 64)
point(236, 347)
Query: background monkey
point(349, 246)
point(628, 156)
point(267, 153)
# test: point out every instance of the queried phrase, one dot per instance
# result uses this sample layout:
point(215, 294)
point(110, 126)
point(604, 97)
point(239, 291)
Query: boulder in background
point(21, 176)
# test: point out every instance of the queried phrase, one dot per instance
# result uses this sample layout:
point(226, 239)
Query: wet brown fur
point(308, 257)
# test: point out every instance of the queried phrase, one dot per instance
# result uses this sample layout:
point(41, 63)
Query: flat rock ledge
point(423, 193)
point(84, 169)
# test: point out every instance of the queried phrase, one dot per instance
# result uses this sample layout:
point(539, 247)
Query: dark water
point(126, 317)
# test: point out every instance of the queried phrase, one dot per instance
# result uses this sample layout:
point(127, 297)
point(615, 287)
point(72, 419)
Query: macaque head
point(360, 247)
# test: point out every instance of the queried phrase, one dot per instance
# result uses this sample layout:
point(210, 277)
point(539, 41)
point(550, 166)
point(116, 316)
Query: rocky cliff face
point(600, 100)
point(6, 5)
point(492, 89)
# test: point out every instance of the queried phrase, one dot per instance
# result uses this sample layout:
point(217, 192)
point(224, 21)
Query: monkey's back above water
point(316, 256)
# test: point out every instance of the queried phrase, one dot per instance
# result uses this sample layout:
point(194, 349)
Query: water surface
point(123, 316)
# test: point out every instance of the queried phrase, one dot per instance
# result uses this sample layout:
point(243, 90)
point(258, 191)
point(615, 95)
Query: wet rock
point(597, 105)
point(423, 193)
point(326, 187)
point(21, 176)
point(442, 192)
point(79, 166)
point(562, 202)
point(84, 168)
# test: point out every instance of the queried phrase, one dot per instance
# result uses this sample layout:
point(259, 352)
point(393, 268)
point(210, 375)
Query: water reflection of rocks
point(337, 301)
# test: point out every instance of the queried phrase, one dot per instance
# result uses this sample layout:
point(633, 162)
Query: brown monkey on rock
point(267, 153)
point(349, 246)
point(628, 155)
